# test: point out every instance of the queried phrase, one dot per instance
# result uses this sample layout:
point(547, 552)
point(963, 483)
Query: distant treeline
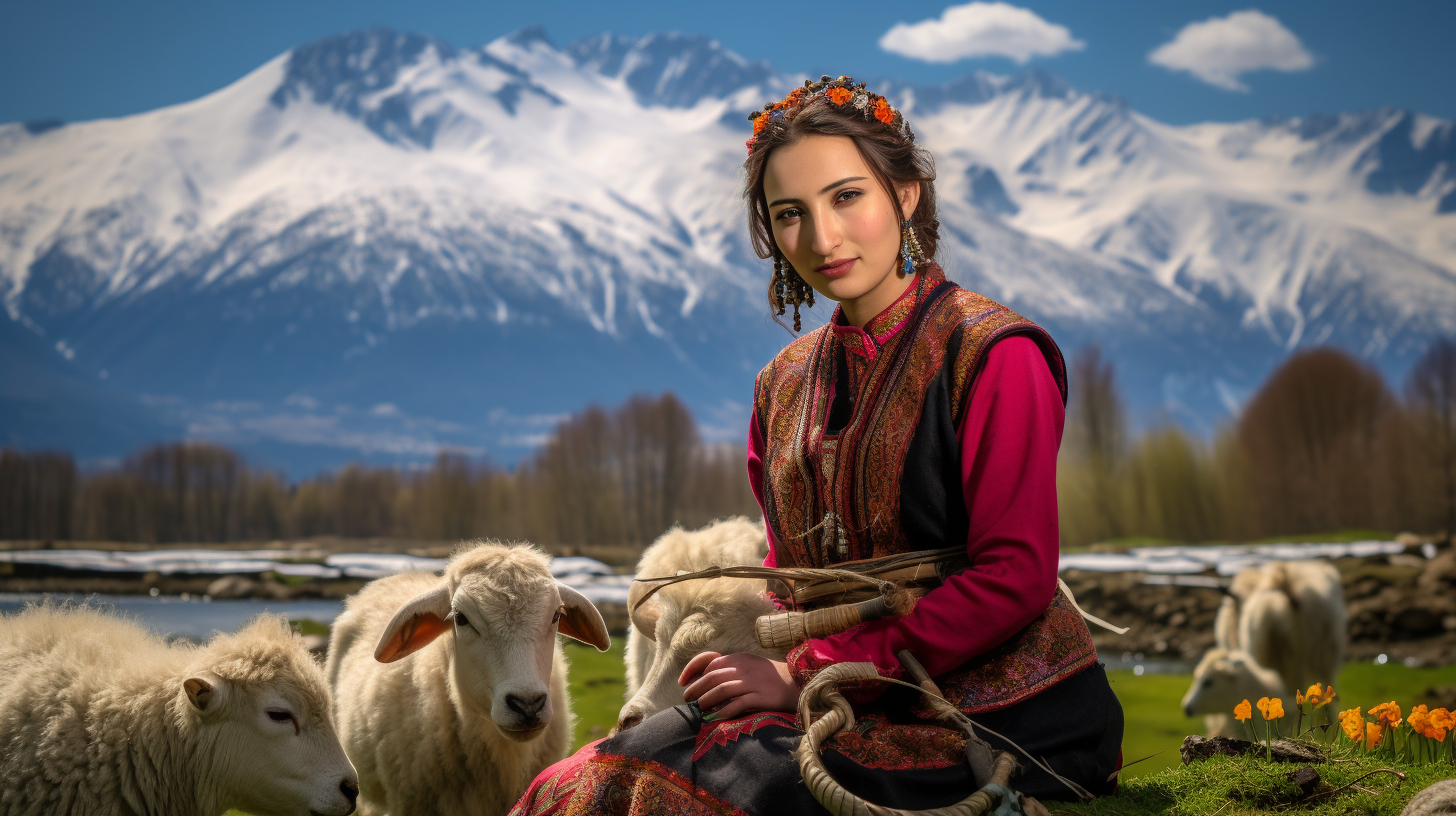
point(604, 477)
point(1323, 445)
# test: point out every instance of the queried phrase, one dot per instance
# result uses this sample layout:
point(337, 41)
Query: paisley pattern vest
point(830, 498)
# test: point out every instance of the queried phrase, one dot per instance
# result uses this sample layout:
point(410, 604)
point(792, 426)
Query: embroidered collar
point(868, 341)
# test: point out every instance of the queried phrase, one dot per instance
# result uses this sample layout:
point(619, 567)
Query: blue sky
point(86, 60)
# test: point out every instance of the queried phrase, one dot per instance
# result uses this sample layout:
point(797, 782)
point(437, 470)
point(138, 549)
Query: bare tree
point(1431, 392)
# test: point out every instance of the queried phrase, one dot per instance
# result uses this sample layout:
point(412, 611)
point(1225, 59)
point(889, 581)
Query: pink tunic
point(1008, 450)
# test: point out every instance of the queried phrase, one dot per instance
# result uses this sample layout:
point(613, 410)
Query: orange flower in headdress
point(1387, 713)
point(1242, 711)
point(759, 124)
point(884, 112)
point(1272, 709)
point(1352, 723)
point(839, 95)
point(1373, 733)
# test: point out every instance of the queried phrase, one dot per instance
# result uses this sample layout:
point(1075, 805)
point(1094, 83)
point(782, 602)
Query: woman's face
point(835, 224)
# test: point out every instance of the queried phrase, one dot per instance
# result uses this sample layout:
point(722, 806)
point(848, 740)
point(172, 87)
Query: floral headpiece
point(842, 91)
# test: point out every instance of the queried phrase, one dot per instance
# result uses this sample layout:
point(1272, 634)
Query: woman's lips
point(838, 269)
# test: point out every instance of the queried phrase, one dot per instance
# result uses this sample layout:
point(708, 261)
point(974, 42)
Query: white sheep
point(100, 716)
point(1288, 616)
point(458, 724)
point(685, 619)
point(1222, 680)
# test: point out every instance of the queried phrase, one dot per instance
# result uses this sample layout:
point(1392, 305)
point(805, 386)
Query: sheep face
point(278, 752)
point(1221, 680)
point(710, 615)
point(504, 650)
point(502, 610)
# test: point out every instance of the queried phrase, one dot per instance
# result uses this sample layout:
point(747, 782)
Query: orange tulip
point(1272, 709)
point(1387, 713)
point(1419, 720)
point(1440, 721)
point(1242, 711)
point(1352, 723)
point(1373, 732)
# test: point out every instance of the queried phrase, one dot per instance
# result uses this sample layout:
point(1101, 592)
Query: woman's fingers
point(723, 693)
point(696, 666)
point(706, 681)
point(737, 707)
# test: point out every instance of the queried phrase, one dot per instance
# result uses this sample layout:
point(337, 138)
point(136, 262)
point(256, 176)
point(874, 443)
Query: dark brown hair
point(890, 152)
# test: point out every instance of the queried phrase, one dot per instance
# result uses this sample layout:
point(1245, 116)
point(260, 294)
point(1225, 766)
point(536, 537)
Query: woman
point(923, 417)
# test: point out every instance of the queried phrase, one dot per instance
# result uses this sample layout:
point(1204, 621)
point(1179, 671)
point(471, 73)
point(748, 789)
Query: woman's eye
point(847, 195)
point(787, 215)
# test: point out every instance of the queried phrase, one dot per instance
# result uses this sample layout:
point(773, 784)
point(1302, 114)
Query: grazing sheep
point(458, 724)
point(685, 619)
point(100, 716)
point(1221, 681)
point(1288, 616)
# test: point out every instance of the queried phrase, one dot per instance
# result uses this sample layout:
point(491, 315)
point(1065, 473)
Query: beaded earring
point(788, 287)
point(910, 251)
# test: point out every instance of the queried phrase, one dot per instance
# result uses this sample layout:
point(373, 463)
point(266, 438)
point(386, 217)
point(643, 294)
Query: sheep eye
point(560, 613)
point(279, 716)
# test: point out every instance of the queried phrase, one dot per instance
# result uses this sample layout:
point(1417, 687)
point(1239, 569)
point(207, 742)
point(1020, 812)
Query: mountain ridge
point(313, 231)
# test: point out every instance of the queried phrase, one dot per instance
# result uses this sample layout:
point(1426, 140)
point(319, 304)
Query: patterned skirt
point(673, 763)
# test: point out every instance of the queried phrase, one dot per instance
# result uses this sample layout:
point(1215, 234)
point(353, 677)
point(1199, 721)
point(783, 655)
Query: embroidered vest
point(834, 499)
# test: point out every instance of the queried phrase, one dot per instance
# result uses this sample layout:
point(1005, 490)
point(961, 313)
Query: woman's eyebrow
point(841, 182)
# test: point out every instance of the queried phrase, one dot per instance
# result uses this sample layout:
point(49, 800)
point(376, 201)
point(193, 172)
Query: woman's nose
point(827, 236)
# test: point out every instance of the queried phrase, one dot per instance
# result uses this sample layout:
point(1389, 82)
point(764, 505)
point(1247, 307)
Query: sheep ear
point(644, 616)
point(415, 625)
point(205, 691)
point(582, 621)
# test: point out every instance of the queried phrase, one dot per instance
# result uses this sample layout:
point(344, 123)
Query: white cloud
point(980, 30)
point(1221, 49)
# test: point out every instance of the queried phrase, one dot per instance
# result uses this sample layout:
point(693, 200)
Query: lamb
point(682, 620)
point(1287, 617)
point(1222, 680)
point(100, 716)
point(458, 724)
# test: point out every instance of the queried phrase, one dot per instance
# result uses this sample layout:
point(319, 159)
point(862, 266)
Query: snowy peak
point(673, 69)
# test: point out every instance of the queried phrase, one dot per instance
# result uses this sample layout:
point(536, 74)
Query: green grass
point(1154, 725)
point(1235, 786)
point(598, 685)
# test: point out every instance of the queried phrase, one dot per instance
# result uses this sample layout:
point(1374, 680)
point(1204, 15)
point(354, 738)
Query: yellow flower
point(1387, 713)
point(1323, 698)
point(1440, 721)
point(1298, 698)
point(1242, 711)
point(1352, 723)
point(1272, 709)
point(1373, 733)
point(1420, 721)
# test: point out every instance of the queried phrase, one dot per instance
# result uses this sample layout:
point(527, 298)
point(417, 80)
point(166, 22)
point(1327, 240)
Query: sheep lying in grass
point(100, 716)
point(458, 724)
point(682, 620)
point(1221, 681)
point(1286, 616)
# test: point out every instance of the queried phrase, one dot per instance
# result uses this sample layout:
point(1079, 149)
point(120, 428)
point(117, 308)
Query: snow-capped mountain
point(378, 244)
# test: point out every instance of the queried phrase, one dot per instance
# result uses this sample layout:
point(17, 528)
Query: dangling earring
point(910, 251)
point(789, 287)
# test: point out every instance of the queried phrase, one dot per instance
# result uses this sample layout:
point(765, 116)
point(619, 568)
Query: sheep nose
point(350, 789)
point(629, 721)
point(526, 707)
point(1188, 711)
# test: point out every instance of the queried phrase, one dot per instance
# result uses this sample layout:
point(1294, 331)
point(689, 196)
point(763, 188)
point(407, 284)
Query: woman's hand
point(726, 686)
